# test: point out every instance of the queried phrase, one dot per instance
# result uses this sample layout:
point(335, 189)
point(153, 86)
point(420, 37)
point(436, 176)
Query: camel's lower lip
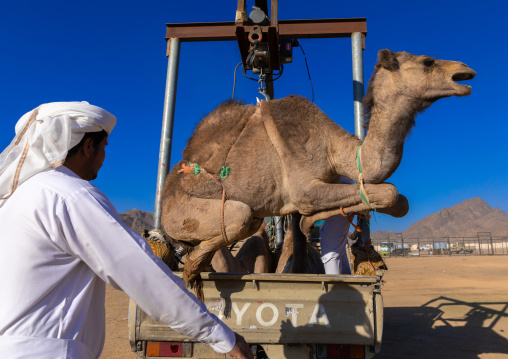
point(465, 90)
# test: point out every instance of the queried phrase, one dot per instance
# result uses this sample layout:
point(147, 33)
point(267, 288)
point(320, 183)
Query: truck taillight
point(164, 349)
point(340, 351)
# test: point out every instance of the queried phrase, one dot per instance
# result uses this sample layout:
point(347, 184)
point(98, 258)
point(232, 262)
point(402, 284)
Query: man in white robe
point(61, 240)
point(334, 237)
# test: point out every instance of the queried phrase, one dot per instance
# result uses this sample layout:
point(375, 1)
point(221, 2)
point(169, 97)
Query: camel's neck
point(383, 146)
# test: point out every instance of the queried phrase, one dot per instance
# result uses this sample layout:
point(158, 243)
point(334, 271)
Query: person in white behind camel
point(333, 234)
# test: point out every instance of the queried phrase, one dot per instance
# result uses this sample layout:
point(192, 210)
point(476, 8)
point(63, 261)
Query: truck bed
point(282, 310)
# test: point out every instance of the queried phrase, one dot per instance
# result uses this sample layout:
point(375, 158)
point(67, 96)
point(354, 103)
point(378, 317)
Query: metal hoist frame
point(355, 28)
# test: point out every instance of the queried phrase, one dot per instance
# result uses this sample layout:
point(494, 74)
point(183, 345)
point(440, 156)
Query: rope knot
point(224, 172)
point(185, 168)
point(197, 170)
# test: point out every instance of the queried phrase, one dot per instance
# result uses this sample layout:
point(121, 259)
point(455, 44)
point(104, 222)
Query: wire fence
point(483, 244)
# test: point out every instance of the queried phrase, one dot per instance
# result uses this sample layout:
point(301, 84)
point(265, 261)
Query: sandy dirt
point(435, 307)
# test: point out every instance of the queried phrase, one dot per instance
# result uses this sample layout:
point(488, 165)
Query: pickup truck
point(280, 315)
point(395, 248)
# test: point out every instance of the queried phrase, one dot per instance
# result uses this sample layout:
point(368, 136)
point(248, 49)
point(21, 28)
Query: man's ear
point(388, 60)
point(88, 147)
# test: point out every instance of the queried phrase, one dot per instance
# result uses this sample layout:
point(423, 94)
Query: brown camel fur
point(254, 256)
point(287, 156)
point(297, 254)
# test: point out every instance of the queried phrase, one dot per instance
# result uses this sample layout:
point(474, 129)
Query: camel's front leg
point(320, 197)
point(398, 210)
point(307, 222)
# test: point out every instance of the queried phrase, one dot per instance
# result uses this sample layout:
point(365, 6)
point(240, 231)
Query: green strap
point(197, 170)
point(359, 163)
point(224, 172)
point(358, 159)
point(364, 199)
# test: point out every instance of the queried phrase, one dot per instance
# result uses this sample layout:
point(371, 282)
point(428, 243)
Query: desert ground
point(435, 307)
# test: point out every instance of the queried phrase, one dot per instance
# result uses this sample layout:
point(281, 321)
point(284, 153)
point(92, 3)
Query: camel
point(298, 255)
point(254, 256)
point(245, 162)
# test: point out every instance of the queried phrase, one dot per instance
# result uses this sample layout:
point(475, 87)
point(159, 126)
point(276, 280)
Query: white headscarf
point(43, 138)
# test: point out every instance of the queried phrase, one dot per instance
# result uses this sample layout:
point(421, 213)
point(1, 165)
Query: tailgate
point(284, 308)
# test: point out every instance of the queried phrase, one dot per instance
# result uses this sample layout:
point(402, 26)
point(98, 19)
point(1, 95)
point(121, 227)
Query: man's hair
point(96, 137)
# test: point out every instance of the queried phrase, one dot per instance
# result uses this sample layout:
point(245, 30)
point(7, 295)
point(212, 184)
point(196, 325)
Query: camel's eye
point(428, 62)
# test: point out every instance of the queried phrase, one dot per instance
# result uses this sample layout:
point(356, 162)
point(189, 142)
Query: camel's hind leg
point(199, 221)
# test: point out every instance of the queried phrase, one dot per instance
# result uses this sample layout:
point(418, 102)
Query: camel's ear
point(388, 60)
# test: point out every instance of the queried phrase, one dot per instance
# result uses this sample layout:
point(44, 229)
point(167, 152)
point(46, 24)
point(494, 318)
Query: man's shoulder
point(62, 181)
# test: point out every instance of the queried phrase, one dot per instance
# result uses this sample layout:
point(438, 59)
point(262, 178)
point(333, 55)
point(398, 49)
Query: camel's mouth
point(463, 75)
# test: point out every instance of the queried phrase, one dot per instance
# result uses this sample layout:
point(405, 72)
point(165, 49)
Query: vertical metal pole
point(358, 83)
point(358, 92)
point(274, 12)
point(479, 244)
point(241, 14)
point(168, 120)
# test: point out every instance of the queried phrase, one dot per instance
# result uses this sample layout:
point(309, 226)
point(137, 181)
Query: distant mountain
point(383, 235)
point(465, 219)
point(137, 220)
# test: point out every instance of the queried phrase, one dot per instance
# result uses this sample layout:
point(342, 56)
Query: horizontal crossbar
point(301, 29)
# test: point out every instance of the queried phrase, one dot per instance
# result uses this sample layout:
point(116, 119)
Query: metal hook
point(262, 89)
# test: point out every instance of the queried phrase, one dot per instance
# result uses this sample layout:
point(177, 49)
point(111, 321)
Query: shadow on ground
point(445, 328)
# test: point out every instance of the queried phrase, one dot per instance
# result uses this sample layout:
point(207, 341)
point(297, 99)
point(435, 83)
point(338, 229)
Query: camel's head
point(419, 78)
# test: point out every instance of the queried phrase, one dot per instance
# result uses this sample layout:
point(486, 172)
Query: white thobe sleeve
point(122, 258)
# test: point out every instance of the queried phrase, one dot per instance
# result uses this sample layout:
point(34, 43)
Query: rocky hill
point(465, 219)
point(137, 220)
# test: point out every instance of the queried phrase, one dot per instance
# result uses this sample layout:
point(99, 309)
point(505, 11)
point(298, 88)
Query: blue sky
point(112, 54)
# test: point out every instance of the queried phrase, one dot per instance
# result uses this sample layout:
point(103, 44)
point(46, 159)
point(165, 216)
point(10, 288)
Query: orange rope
point(350, 218)
point(211, 176)
point(352, 215)
point(223, 228)
point(185, 168)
